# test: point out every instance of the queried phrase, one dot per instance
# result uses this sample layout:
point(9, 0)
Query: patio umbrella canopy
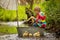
point(9, 4)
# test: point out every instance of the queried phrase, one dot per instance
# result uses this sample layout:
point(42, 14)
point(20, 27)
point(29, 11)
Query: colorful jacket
point(40, 17)
point(40, 20)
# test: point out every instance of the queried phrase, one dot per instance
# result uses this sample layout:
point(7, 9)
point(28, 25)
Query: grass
point(8, 30)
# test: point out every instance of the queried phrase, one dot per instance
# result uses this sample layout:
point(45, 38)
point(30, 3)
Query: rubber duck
point(30, 34)
point(37, 34)
point(25, 34)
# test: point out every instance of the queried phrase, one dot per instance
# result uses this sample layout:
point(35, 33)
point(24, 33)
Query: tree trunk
point(31, 3)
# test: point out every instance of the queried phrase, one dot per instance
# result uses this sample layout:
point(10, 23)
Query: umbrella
point(10, 5)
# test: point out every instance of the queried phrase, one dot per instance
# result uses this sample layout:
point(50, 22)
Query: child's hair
point(37, 9)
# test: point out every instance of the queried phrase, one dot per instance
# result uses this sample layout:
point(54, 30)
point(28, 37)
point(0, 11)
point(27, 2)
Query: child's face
point(36, 12)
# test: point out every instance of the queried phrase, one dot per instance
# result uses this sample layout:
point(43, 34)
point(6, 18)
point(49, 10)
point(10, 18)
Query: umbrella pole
point(17, 13)
point(18, 30)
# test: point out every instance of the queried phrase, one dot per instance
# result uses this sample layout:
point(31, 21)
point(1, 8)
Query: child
point(39, 20)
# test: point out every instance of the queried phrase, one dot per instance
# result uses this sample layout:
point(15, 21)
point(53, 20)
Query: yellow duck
point(26, 34)
point(37, 34)
point(30, 35)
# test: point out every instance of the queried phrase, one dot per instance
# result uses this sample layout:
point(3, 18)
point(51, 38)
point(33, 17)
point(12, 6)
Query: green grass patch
point(8, 30)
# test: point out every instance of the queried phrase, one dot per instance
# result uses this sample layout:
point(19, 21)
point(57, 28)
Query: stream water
point(15, 37)
point(12, 23)
point(48, 36)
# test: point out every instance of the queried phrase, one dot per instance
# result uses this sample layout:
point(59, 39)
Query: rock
point(48, 34)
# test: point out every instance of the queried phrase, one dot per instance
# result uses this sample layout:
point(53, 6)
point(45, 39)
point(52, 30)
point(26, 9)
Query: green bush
point(52, 11)
point(10, 15)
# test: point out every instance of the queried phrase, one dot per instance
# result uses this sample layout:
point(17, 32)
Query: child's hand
point(32, 17)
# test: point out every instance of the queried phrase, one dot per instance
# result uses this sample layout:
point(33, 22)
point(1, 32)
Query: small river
point(48, 36)
point(15, 37)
